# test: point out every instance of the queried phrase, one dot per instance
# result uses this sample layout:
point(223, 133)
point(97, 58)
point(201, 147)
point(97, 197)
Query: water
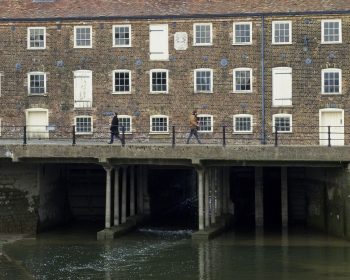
point(169, 255)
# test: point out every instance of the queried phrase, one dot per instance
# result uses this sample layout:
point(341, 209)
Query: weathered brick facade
point(16, 61)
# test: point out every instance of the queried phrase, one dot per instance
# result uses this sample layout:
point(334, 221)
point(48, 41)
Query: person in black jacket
point(115, 129)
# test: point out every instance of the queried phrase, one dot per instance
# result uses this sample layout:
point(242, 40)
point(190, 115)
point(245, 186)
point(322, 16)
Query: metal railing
point(174, 135)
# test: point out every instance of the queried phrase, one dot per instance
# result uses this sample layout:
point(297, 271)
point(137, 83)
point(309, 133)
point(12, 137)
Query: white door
point(334, 120)
point(158, 42)
point(37, 123)
point(282, 86)
point(83, 89)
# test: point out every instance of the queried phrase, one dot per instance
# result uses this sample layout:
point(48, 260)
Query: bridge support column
point(225, 185)
point(139, 191)
point(200, 173)
point(116, 196)
point(212, 197)
point(124, 177)
point(132, 191)
point(108, 197)
point(284, 196)
point(259, 202)
point(206, 197)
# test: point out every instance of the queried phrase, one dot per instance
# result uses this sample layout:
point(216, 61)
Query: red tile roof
point(27, 9)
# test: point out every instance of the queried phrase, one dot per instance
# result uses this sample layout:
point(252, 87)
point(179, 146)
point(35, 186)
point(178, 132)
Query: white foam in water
point(167, 233)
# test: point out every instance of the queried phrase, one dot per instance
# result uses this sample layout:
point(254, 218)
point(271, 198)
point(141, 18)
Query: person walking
point(194, 125)
point(115, 129)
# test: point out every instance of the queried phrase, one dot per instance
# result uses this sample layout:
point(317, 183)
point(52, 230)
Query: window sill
point(121, 92)
point(83, 133)
point(158, 92)
point(203, 45)
point(36, 49)
point(242, 44)
point(331, 94)
point(88, 47)
point(159, 133)
point(331, 43)
point(204, 92)
point(283, 132)
point(237, 92)
point(281, 44)
point(284, 106)
point(243, 133)
point(38, 94)
point(123, 46)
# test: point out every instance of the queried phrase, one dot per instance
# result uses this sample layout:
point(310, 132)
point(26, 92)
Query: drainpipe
point(263, 134)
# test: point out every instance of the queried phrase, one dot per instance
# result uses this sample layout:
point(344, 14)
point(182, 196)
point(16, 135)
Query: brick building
point(248, 66)
point(252, 68)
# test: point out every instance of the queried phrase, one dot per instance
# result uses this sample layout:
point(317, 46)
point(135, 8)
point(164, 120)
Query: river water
point(171, 255)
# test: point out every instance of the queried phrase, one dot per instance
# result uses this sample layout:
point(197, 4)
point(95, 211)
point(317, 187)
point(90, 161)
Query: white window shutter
point(158, 42)
point(83, 88)
point(282, 86)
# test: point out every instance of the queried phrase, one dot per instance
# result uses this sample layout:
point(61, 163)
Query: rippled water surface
point(167, 255)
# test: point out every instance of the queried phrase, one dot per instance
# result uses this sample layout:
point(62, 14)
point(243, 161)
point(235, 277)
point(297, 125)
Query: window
point(159, 124)
point(242, 123)
point(125, 121)
point(203, 80)
point(281, 32)
point(159, 81)
point(36, 83)
point(36, 38)
point(122, 81)
point(242, 80)
point(202, 33)
point(331, 81)
point(82, 36)
point(242, 33)
point(283, 122)
point(121, 35)
point(83, 125)
point(205, 123)
point(158, 42)
point(331, 31)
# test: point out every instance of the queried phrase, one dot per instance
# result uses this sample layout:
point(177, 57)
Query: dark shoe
point(110, 142)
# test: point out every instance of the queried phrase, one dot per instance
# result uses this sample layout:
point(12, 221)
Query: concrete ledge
point(117, 231)
point(214, 230)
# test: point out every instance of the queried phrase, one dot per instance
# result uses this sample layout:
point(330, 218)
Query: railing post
point(25, 135)
point(329, 136)
point(224, 135)
point(173, 138)
point(123, 136)
point(276, 136)
point(73, 135)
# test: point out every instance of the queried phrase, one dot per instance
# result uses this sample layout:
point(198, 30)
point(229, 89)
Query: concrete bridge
point(309, 183)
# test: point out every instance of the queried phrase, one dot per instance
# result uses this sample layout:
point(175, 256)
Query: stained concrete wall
point(53, 207)
point(328, 200)
point(19, 198)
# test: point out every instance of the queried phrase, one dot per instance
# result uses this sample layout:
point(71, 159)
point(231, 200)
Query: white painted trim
point(84, 133)
point(234, 33)
point(113, 36)
point(113, 81)
point(211, 123)
point(234, 80)
point(28, 82)
point(243, 116)
point(75, 37)
point(28, 38)
point(150, 80)
point(331, 70)
point(126, 117)
point(195, 80)
point(340, 31)
point(282, 116)
point(158, 132)
point(211, 34)
point(290, 32)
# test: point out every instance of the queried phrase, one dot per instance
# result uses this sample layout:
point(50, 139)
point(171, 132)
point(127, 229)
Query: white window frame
point(151, 84)
point(120, 124)
point(289, 22)
point(75, 37)
point(45, 82)
point(242, 131)
point(282, 116)
point(195, 80)
point(211, 122)
point(234, 33)
point(194, 34)
point(113, 81)
point(331, 70)
point(234, 80)
point(28, 38)
point(151, 127)
point(83, 133)
point(113, 36)
point(340, 31)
